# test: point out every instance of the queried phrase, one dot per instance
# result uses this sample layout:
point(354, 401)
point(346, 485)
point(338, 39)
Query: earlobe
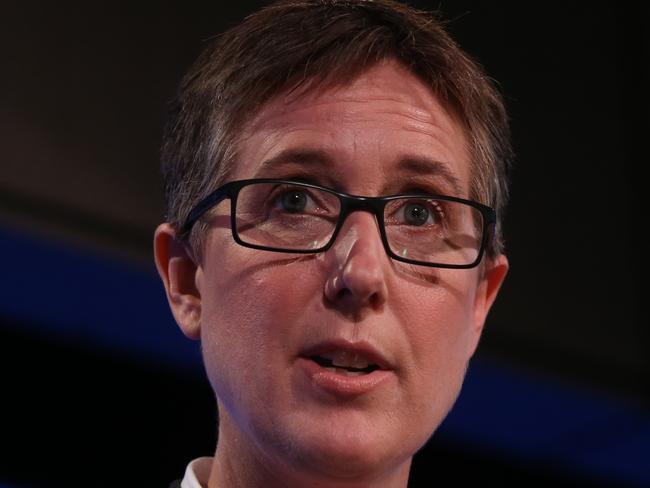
point(491, 277)
point(178, 272)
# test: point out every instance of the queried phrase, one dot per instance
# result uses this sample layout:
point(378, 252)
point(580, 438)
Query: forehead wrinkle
point(415, 123)
point(359, 92)
point(274, 119)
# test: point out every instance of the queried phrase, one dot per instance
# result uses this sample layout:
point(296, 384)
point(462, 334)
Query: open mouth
point(345, 363)
point(347, 369)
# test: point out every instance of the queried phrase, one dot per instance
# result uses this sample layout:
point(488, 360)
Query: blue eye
point(293, 201)
point(416, 214)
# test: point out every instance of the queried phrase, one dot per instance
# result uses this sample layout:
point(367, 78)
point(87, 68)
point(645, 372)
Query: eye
point(420, 213)
point(293, 201)
point(416, 214)
point(298, 201)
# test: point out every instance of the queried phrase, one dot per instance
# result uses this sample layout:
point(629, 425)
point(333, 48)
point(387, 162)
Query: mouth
point(344, 368)
point(345, 363)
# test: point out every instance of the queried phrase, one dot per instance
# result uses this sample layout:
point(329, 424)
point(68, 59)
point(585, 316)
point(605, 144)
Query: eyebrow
point(428, 167)
point(412, 165)
point(306, 157)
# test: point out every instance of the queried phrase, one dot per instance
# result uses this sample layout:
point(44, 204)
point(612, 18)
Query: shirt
point(197, 473)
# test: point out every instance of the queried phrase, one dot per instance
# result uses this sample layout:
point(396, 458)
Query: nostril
point(342, 293)
point(376, 300)
point(347, 296)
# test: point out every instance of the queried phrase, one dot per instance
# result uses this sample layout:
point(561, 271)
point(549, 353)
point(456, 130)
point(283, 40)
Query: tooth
point(346, 359)
point(340, 358)
point(359, 362)
point(345, 372)
point(353, 373)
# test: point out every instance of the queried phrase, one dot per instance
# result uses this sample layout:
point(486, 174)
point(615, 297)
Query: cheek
point(439, 321)
point(251, 312)
point(440, 328)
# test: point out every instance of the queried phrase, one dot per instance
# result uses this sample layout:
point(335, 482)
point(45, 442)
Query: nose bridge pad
point(354, 237)
point(357, 267)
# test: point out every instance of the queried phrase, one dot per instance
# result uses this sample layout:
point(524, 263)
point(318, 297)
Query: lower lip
point(340, 384)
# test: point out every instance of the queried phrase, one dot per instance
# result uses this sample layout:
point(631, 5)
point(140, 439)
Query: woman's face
point(267, 319)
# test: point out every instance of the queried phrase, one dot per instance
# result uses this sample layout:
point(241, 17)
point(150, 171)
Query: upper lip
point(362, 348)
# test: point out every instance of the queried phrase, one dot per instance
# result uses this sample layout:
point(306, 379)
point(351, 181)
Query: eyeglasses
point(296, 217)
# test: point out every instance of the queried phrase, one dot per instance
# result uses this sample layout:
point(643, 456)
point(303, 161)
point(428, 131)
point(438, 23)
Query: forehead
point(367, 134)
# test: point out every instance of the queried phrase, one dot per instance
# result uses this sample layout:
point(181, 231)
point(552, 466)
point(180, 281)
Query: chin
point(345, 462)
point(346, 451)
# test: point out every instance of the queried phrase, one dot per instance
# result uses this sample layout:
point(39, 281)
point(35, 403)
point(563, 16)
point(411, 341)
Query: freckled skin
point(258, 309)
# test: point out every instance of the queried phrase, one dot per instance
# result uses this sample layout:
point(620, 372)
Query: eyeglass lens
point(295, 217)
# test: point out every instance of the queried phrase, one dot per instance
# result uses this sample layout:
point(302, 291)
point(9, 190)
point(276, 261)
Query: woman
point(334, 174)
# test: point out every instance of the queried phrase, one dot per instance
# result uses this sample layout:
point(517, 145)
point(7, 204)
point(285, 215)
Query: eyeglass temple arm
point(203, 206)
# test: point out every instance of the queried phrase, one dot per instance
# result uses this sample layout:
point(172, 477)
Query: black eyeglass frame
point(349, 204)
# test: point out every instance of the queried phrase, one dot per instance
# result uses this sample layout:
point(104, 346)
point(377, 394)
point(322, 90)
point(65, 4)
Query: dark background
point(95, 394)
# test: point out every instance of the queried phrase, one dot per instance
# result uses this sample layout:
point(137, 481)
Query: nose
point(358, 265)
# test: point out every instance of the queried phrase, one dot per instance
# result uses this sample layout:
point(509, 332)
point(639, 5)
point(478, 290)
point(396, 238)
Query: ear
point(490, 278)
point(179, 273)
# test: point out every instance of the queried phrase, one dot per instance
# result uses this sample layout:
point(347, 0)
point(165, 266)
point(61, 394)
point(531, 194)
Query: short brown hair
point(292, 42)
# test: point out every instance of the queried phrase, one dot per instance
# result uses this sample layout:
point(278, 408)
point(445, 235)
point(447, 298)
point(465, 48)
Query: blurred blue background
point(99, 385)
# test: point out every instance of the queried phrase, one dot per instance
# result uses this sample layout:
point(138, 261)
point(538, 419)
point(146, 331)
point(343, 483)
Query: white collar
point(197, 473)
